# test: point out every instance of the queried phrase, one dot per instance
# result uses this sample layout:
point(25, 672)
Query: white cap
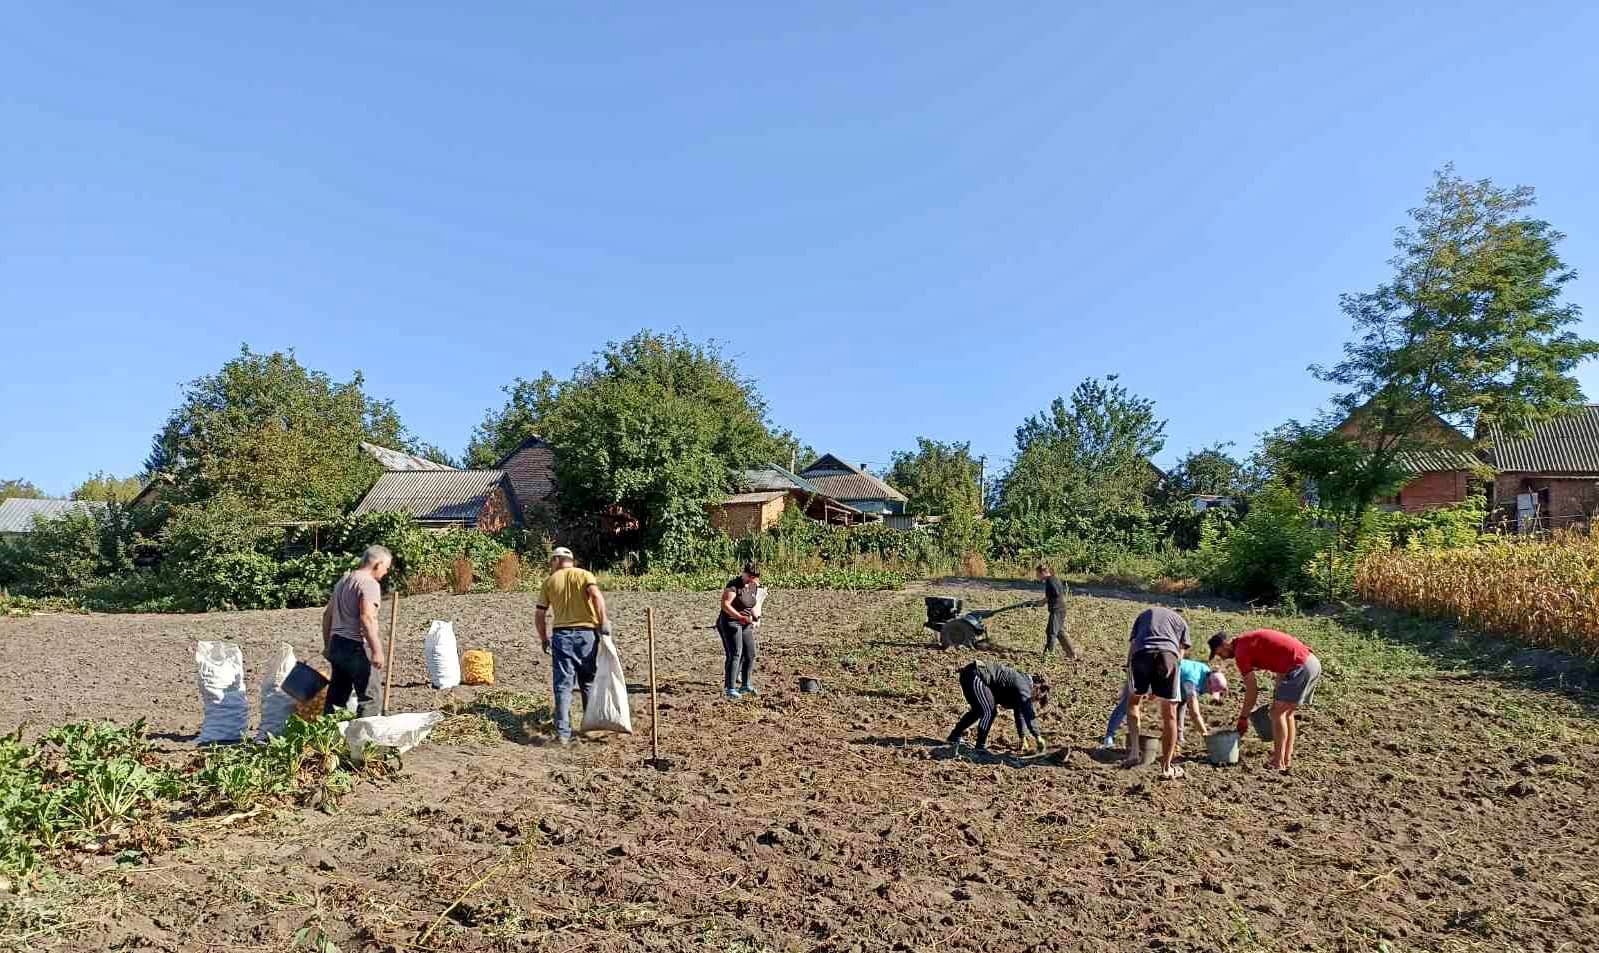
point(561, 552)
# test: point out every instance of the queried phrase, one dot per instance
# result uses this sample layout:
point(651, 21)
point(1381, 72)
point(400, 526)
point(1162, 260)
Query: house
point(766, 493)
point(1441, 468)
point(444, 499)
point(853, 486)
point(530, 471)
point(18, 516)
point(1547, 478)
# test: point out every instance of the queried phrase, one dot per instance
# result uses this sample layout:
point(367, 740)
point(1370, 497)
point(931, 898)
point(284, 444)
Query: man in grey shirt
point(1154, 657)
point(350, 634)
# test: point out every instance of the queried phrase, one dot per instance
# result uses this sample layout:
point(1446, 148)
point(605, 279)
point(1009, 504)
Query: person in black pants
point(989, 686)
point(1055, 600)
point(350, 638)
point(736, 625)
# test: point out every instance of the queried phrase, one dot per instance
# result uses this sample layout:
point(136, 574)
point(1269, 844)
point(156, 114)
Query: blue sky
point(930, 220)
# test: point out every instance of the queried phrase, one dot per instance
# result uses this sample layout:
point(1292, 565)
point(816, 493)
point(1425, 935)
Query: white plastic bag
point(607, 708)
point(401, 732)
point(226, 711)
point(276, 704)
point(760, 603)
point(443, 660)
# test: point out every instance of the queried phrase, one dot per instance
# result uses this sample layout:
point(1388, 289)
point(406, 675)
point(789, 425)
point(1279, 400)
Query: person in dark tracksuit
point(1055, 601)
point(989, 686)
point(736, 625)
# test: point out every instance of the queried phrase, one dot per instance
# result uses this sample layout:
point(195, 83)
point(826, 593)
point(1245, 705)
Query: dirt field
point(1441, 800)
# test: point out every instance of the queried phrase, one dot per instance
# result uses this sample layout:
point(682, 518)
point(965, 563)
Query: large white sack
point(401, 732)
point(276, 704)
point(443, 660)
point(606, 709)
point(226, 711)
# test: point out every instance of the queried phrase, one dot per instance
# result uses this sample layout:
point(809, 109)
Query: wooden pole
point(655, 712)
point(388, 663)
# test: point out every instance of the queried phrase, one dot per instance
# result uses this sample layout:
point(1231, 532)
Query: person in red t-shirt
point(1298, 672)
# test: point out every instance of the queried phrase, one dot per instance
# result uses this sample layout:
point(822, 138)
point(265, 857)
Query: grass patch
point(499, 714)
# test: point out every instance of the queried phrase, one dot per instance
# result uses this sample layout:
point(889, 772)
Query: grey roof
point(17, 516)
point(399, 460)
point(842, 481)
point(1567, 444)
point(774, 477)
point(432, 496)
point(531, 467)
point(1434, 461)
point(758, 496)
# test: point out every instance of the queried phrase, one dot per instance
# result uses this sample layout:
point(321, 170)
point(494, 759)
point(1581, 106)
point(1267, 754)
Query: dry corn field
point(1543, 591)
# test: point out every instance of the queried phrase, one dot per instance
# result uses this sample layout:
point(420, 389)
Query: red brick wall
point(1570, 498)
point(1438, 488)
point(496, 513)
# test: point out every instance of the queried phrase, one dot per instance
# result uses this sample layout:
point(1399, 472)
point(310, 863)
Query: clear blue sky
point(929, 221)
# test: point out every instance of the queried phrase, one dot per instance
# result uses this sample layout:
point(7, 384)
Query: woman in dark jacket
point(736, 625)
point(989, 686)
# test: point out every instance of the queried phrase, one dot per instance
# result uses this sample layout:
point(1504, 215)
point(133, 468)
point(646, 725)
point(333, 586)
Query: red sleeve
point(1243, 655)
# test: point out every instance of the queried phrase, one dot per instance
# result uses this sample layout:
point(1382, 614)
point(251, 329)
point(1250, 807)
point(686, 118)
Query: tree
point(21, 489)
point(1211, 471)
point(282, 440)
point(1471, 329)
point(653, 427)
point(938, 478)
point(108, 488)
point(503, 430)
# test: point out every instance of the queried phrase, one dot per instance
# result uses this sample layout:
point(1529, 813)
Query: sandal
point(1173, 773)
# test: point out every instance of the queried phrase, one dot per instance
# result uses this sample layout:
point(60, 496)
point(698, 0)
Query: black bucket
point(303, 682)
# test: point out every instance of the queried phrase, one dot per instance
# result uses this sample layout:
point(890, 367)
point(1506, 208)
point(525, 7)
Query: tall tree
point(1092, 452)
point(108, 488)
point(653, 426)
point(938, 478)
point(19, 488)
point(1211, 471)
point(280, 439)
point(503, 430)
point(1471, 328)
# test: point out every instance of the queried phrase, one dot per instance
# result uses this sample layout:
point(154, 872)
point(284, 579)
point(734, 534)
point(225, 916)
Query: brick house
point(1547, 478)
point(1442, 470)
point(444, 499)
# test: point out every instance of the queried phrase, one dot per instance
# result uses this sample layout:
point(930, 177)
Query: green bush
point(1267, 554)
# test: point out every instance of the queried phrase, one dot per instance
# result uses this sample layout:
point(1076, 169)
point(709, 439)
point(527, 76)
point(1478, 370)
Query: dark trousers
point(352, 671)
point(738, 652)
point(1055, 631)
point(981, 708)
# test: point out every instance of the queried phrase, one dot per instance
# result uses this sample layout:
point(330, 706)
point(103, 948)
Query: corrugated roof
point(1433, 461)
point(1567, 444)
point(432, 496)
point(17, 516)
point(774, 477)
point(842, 481)
point(760, 496)
point(392, 459)
point(531, 467)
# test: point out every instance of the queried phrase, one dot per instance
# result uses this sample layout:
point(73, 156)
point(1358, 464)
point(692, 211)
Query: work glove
point(1038, 743)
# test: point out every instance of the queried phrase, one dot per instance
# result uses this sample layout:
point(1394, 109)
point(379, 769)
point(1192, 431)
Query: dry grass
point(461, 576)
point(1543, 591)
point(508, 572)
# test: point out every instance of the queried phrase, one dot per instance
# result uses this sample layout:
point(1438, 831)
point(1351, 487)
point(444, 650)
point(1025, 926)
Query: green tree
point(1211, 471)
point(521, 417)
point(21, 489)
point(938, 478)
point(1471, 328)
point(280, 439)
point(653, 427)
point(108, 488)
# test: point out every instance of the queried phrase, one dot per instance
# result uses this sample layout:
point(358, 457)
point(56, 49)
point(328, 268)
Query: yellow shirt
point(565, 595)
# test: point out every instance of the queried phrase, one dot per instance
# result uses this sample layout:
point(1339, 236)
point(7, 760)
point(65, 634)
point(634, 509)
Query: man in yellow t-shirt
point(571, 640)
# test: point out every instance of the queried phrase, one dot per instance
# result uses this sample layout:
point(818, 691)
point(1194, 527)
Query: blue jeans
point(573, 653)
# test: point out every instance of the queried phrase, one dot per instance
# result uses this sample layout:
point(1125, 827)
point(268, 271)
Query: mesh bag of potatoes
point(477, 667)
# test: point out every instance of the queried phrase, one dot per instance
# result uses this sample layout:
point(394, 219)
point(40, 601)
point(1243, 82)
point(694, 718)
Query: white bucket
point(1222, 746)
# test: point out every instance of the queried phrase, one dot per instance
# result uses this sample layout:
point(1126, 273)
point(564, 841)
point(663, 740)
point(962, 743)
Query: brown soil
point(1434, 806)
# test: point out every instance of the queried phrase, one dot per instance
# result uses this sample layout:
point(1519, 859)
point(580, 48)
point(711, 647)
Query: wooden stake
point(388, 663)
point(655, 712)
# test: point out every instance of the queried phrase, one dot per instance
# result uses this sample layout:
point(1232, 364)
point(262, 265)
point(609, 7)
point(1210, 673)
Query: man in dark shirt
point(1154, 657)
point(988, 687)
point(1055, 601)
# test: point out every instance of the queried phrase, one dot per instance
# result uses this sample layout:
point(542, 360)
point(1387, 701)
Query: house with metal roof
point(530, 473)
point(19, 517)
point(443, 499)
point(1443, 467)
point(853, 486)
point(392, 459)
point(766, 493)
point(1547, 477)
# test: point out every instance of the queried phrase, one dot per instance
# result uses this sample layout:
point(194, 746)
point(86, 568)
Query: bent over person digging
point(1298, 673)
point(989, 686)
point(1154, 666)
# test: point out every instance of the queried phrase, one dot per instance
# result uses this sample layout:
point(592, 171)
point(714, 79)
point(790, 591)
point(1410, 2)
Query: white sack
point(276, 704)
point(226, 711)
point(443, 659)
point(401, 732)
point(607, 708)
point(760, 602)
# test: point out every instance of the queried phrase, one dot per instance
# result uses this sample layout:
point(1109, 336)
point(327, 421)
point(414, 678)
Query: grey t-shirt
point(349, 593)
point(1160, 630)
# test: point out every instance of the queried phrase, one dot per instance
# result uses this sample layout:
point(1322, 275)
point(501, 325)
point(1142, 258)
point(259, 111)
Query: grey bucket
point(1260, 718)
point(1149, 749)
point(1222, 746)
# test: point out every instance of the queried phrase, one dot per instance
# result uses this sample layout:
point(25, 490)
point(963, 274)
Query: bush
point(461, 576)
point(508, 572)
point(1266, 555)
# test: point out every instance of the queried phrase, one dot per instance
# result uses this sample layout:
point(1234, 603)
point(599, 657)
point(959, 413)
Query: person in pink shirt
point(1298, 673)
